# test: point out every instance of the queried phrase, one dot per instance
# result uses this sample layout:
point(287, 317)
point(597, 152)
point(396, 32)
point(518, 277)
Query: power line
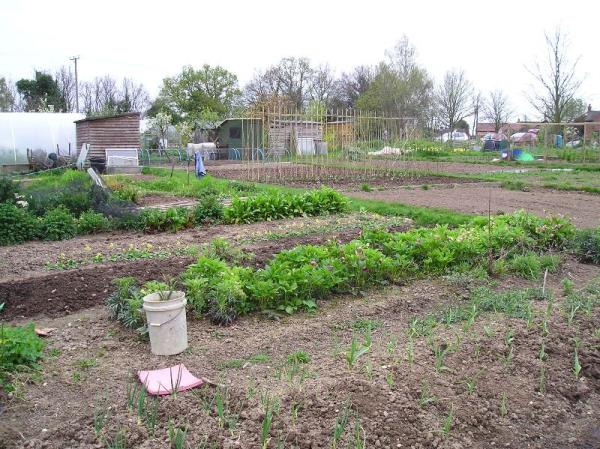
point(75, 58)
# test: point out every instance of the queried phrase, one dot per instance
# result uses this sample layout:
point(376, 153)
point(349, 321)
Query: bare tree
point(103, 95)
point(133, 97)
point(453, 98)
point(65, 79)
point(289, 79)
point(354, 84)
point(496, 109)
point(556, 81)
point(324, 87)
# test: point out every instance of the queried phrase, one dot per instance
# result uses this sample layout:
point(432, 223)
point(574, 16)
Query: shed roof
point(105, 117)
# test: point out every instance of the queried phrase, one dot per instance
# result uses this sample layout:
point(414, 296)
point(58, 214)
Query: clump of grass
point(298, 357)
point(270, 407)
point(117, 442)
point(355, 351)
point(365, 187)
point(341, 422)
point(101, 414)
point(576, 364)
point(503, 405)
point(447, 423)
point(567, 286)
point(531, 266)
point(426, 398)
point(177, 436)
point(514, 185)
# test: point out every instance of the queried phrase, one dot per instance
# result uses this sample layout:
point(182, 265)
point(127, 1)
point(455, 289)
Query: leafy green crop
point(295, 279)
point(275, 206)
point(125, 304)
point(58, 224)
point(17, 225)
point(20, 349)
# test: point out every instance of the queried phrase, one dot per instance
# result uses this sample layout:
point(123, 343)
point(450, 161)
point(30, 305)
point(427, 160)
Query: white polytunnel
point(48, 131)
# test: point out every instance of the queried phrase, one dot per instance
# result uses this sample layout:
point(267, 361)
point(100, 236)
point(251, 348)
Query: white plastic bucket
point(167, 325)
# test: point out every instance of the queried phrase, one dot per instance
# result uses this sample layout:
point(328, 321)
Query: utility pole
point(75, 58)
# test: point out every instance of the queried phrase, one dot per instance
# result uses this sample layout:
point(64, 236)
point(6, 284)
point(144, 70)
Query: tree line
point(397, 86)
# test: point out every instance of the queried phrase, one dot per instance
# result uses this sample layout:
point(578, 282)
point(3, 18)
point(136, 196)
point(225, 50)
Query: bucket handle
point(169, 320)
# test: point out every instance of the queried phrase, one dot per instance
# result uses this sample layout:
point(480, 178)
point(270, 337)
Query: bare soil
point(343, 179)
point(95, 360)
point(31, 258)
point(582, 208)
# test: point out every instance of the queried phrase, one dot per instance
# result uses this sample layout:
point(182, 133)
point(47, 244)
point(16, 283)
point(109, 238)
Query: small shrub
point(20, 349)
point(514, 185)
point(208, 210)
point(8, 189)
point(527, 265)
point(58, 224)
point(172, 219)
point(125, 304)
point(17, 225)
point(91, 222)
point(587, 245)
point(531, 266)
point(365, 187)
point(128, 193)
point(216, 289)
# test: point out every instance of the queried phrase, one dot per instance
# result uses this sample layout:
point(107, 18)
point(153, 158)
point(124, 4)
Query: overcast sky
point(147, 40)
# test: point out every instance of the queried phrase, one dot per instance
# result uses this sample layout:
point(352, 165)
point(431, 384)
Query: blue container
point(516, 154)
point(558, 141)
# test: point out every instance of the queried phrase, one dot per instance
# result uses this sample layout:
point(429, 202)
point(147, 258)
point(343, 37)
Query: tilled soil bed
point(32, 258)
point(394, 394)
point(343, 179)
point(64, 292)
point(582, 208)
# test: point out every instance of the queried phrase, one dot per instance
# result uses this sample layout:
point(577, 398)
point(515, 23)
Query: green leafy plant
point(298, 357)
point(365, 187)
point(341, 422)
point(177, 436)
point(57, 224)
point(567, 285)
point(208, 210)
point(354, 352)
point(274, 206)
point(586, 245)
point(269, 409)
point(20, 350)
point(576, 364)
point(125, 304)
point(8, 190)
point(17, 225)
point(91, 222)
point(447, 423)
point(172, 219)
point(425, 397)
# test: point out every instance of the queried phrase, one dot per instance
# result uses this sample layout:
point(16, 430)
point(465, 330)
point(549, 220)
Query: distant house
point(593, 118)
point(506, 128)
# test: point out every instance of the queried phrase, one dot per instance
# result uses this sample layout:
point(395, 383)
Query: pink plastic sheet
point(166, 380)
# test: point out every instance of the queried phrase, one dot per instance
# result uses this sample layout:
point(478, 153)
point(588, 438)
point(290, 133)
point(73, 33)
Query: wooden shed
point(114, 131)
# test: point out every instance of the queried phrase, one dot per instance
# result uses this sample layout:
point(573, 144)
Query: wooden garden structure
point(114, 131)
